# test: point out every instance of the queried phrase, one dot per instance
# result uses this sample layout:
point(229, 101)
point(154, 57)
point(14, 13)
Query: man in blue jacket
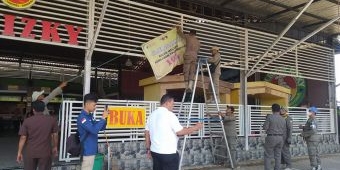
point(88, 129)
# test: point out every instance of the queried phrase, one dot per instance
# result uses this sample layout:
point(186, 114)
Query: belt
point(274, 134)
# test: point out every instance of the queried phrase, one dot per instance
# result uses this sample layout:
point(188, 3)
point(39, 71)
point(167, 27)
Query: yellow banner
point(164, 52)
point(126, 117)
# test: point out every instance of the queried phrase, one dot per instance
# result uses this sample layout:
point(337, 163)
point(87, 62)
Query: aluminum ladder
point(203, 64)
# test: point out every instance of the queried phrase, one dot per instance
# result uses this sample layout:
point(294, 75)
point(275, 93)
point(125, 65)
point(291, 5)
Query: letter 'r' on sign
point(126, 117)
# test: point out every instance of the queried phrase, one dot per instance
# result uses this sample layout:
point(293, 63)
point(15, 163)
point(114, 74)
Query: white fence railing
point(325, 119)
point(249, 122)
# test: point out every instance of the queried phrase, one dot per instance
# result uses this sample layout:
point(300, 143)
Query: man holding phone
point(88, 128)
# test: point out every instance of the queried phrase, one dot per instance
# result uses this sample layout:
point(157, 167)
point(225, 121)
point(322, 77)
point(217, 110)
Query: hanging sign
point(164, 52)
point(126, 117)
point(19, 4)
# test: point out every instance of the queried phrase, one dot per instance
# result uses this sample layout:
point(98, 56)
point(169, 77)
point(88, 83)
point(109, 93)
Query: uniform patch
point(83, 120)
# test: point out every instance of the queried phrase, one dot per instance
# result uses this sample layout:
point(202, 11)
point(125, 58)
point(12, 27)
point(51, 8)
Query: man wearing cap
point(310, 135)
point(215, 69)
point(190, 57)
point(39, 95)
point(274, 126)
point(287, 140)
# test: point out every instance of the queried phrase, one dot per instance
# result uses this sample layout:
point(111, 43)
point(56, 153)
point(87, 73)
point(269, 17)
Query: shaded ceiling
point(265, 15)
point(283, 11)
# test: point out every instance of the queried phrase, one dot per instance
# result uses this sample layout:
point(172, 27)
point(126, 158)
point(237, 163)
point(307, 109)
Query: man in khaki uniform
point(190, 57)
point(229, 122)
point(215, 69)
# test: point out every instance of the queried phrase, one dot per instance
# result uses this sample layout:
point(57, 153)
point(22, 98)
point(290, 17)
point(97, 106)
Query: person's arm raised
point(180, 31)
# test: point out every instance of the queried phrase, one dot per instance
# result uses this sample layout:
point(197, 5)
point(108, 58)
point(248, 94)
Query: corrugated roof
point(283, 11)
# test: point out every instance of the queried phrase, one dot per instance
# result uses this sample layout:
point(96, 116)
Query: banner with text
point(126, 117)
point(165, 52)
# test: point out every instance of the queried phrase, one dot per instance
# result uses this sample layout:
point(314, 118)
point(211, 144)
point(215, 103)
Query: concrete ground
point(329, 162)
point(9, 147)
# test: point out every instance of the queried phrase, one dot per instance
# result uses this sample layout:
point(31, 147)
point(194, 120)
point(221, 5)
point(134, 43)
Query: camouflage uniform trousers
point(313, 153)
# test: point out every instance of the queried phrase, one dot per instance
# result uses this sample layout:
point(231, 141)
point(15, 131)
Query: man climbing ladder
point(203, 64)
point(190, 58)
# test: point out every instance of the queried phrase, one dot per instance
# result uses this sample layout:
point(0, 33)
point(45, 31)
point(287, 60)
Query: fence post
point(247, 124)
point(62, 135)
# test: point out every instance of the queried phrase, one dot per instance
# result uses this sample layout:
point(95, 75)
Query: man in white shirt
point(161, 135)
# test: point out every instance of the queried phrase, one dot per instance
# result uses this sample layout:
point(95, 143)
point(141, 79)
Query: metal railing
point(255, 115)
point(325, 119)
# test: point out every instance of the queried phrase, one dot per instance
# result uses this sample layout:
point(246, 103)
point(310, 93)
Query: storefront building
point(97, 44)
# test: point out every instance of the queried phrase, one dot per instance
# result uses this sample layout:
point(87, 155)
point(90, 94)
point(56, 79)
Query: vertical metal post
point(68, 126)
point(87, 76)
point(333, 101)
point(246, 46)
point(108, 157)
point(332, 106)
point(244, 102)
point(244, 93)
point(90, 33)
point(92, 39)
point(62, 134)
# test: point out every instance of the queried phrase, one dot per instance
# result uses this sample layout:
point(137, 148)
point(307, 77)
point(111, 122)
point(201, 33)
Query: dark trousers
point(34, 163)
point(272, 149)
point(165, 161)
